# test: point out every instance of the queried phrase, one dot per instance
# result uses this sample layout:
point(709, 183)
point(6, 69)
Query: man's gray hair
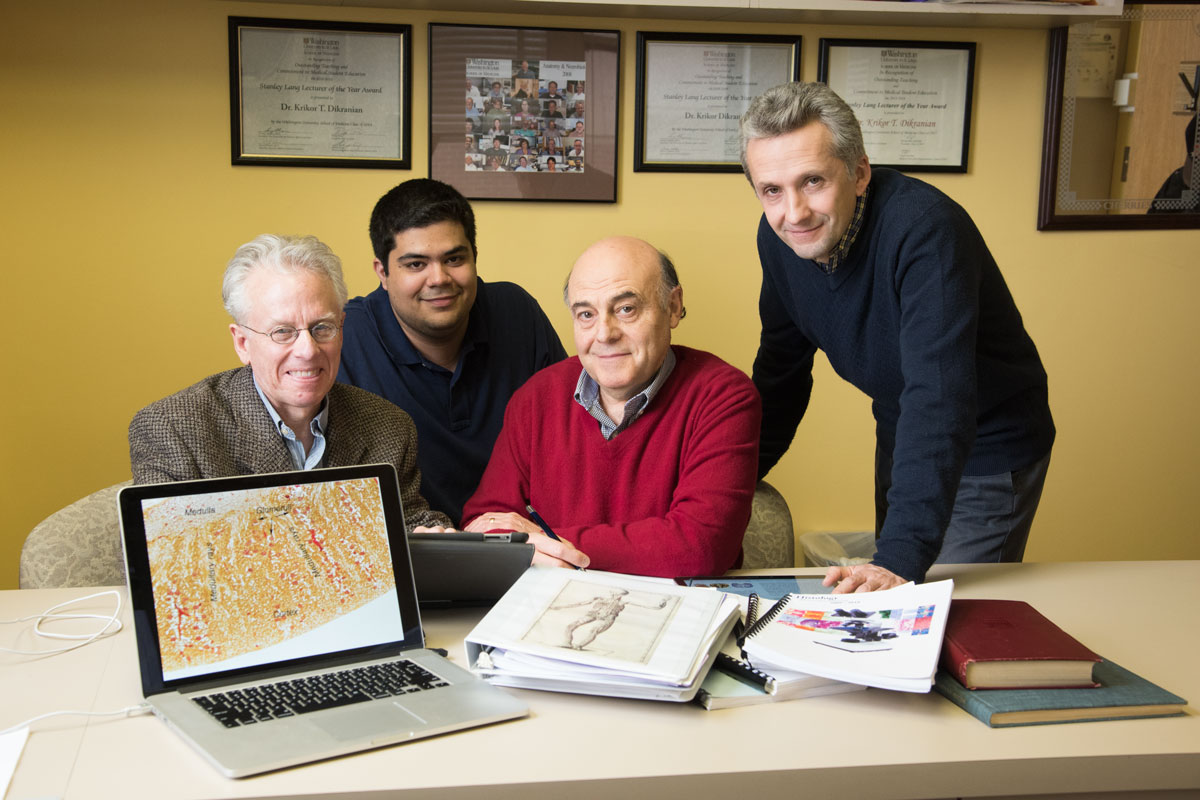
point(668, 280)
point(283, 255)
point(791, 106)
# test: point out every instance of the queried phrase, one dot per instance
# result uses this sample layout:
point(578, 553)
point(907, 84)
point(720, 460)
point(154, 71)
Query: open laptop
point(276, 619)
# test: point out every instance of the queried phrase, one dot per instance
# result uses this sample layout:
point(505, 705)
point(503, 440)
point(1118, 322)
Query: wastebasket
point(837, 548)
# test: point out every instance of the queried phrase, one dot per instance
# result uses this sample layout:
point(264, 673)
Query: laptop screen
point(264, 571)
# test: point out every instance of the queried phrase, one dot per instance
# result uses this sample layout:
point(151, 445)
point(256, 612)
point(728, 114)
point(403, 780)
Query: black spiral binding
point(752, 608)
point(740, 629)
point(766, 618)
point(744, 671)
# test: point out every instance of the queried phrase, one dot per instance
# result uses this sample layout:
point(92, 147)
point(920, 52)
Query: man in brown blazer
point(282, 411)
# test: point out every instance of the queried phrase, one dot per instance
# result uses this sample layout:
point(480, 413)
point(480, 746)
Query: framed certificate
point(913, 99)
point(692, 90)
point(319, 94)
point(524, 113)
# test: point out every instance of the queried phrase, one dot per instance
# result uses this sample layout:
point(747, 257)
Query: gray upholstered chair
point(79, 545)
point(769, 541)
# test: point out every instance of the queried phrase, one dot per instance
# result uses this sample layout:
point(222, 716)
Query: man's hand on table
point(861, 578)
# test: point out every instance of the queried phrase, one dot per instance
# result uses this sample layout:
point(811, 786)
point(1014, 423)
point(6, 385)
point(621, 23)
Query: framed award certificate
point(912, 99)
point(319, 94)
point(692, 90)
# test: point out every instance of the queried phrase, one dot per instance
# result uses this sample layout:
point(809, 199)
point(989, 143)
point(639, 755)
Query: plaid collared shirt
point(587, 394)
point(843, 245)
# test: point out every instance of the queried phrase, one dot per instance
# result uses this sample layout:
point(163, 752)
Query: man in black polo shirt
point(439, 342)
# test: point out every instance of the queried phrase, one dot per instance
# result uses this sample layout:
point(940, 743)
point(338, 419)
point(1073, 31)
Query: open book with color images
point(889, 639)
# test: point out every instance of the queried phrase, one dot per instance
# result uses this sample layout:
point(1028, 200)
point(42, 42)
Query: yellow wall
point(120, 209)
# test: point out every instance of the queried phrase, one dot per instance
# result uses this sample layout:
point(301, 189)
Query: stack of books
point(1007, 665)
point(590, 632)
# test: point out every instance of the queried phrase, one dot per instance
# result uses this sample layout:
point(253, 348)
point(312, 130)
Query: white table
point(872, 744)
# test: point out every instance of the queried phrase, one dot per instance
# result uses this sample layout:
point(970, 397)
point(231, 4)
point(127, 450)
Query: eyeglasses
point(321, 332)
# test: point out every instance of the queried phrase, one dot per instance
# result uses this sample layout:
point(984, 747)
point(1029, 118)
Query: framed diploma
point(524, 113)
point(320, 94)
point(913, 99)
point(692, 90)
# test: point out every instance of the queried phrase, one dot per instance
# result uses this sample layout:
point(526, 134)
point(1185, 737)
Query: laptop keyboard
point(317, 692)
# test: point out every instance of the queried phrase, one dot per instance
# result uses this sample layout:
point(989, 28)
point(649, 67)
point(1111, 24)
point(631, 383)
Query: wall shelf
point(1022, 14)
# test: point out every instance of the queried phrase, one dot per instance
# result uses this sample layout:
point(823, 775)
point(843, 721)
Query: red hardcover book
point(1008, 644)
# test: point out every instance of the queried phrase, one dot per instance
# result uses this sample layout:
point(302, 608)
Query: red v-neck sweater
point(668, 496)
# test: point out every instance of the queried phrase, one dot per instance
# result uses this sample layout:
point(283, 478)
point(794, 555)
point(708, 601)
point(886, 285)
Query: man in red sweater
point(639, 455)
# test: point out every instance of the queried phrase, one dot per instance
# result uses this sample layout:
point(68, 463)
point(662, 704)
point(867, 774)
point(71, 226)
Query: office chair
point(769, 538)
point(79, 545)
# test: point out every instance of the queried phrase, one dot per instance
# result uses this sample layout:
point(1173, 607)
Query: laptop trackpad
point(368, 722)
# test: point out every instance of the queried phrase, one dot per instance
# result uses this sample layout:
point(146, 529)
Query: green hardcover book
point(1121, 695)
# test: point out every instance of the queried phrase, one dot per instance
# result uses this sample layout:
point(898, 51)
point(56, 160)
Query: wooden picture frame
point(523, 146)
point(1119, 139)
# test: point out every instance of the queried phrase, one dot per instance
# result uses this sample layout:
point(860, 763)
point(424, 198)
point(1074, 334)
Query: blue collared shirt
point(458, 414)
point(295, 447)
point(587, 394)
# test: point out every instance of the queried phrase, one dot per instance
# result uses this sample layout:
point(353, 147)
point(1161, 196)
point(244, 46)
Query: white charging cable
point(111, 625)
point(128, 711)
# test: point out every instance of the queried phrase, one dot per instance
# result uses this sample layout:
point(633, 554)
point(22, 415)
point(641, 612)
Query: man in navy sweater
point(439, 342)
point(892, 280)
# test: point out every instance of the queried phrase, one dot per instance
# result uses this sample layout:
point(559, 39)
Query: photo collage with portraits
point(525, 115)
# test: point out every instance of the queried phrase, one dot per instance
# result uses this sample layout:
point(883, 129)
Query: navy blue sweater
point(458, 415)
point(919, 318)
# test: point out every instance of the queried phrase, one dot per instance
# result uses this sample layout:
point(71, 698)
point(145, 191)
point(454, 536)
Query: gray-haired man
point(893, 281)
point(281, 411)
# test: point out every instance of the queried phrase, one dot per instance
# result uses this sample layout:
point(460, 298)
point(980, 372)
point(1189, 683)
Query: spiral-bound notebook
point(889, 639)
point(733, 681)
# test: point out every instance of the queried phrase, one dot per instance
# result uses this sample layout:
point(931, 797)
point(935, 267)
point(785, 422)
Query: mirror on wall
point(1120, 138)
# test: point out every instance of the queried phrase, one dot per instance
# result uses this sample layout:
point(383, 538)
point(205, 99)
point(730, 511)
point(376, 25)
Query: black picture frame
point(896, 99)
point(308, 93)
point(1064, 206)
point(680, 99)
point(518, 123)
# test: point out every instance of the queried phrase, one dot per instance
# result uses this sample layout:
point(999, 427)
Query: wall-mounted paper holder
point(1124, 90)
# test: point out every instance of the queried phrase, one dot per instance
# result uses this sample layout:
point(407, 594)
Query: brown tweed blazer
point(219, 427)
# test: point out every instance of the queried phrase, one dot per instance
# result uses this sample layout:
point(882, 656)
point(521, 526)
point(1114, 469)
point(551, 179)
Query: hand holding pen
point(541, 523)
point(551, 549)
